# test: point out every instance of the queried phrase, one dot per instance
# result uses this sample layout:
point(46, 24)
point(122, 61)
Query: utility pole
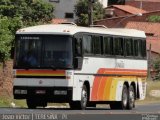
point(149, 64)
point(90, 12)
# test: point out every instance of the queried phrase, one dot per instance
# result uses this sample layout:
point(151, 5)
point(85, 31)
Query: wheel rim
point(84, 97)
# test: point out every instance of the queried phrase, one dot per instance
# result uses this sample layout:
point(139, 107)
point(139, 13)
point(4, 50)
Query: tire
point(131, 100)
point(125, 98)
point(82, 104)
point(121, 104)
point(31, 103)
point(84, 97)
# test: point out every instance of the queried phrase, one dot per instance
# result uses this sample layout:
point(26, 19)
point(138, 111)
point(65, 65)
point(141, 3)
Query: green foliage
point(81, 11)
point(5, 38)
point(15, 14)
point(156, 66)
point(153, 18)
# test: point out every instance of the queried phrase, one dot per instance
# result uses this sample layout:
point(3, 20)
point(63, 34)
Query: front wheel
point(83, 102)
point(84, 97)
point(31, 103)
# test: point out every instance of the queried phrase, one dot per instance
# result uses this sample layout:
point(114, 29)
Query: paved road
point(153, 110)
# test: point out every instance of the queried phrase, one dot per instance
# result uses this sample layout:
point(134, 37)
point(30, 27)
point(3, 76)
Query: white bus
point(82, 66)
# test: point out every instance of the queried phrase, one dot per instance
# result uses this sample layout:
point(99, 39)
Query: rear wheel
point(131, 100)
point(122, 104)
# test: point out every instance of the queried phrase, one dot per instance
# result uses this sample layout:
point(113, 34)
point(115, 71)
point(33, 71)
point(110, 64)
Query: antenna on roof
point(69, 23)
point(99, 26)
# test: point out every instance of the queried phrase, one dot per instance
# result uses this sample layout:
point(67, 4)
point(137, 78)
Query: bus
point(82, 66)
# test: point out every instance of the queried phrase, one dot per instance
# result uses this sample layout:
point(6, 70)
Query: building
point(148, 5)
point(122, 10)
point(64, 9)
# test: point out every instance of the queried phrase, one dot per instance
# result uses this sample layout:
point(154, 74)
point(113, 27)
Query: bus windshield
point(43, 51)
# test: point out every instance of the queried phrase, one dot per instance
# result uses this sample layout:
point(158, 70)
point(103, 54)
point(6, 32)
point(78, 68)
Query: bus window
point(87, 44)
point(142, 48)
point(129, 47)
point(96, 44)
point(108, 45)
point(78, 46)
point(118, 46)
point(136, 49)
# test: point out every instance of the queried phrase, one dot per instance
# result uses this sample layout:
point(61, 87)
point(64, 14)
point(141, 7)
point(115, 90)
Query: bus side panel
point(110, 89)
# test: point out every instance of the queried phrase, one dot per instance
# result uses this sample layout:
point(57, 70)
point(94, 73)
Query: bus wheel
point(125, 97)
point(83, 102)
point(31, 103)
point(84, 97)
point(131, 100)
point(122, 104)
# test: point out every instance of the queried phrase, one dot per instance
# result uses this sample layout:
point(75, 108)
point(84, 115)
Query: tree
point(156, 66)
point(153, 18)
point(15, 14)
point(81, 11)
point(5, 38)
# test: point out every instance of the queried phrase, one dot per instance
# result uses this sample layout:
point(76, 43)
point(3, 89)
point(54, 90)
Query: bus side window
point(136, 49)
point(129, 47)
point(108, 45)
point(96, 44)
point(78, 46)
point(118, 46)
point(142, 48)
point(87, 44)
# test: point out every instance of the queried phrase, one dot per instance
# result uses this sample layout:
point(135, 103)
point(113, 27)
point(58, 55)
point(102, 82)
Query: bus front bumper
point(52, 94)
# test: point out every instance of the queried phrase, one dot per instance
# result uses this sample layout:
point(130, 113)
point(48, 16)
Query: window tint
point(118, 46)
point(136, 49)
point(108, 45)
point(78, 46)
point(87, 44)
point(129, 47)
point(143, 48)
point(96, 44)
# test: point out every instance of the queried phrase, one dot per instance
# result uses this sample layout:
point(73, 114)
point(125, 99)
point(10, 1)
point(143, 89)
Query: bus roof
point(63, 29)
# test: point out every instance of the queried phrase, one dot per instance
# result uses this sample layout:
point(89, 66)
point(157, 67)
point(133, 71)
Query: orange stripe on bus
point(108, 89)
point(101, 88)
point(96, 84)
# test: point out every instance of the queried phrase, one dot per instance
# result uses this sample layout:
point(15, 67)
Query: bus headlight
point(17, 91)
point(60, 92)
